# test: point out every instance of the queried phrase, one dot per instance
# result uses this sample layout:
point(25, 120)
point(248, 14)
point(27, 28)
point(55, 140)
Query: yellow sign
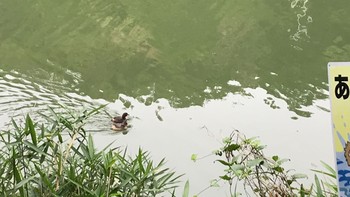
point(339, 94)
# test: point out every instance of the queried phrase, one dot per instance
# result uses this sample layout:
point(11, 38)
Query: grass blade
point(96, 109)
point(31, 129)
point(186, 189)
point(35, 148)
point(319, 192)
point(80, 186)
point(17, 175)
point(44, 178)
point(330, 169)
point(139, 159)
point(23, 182)
point(15, 125)
point(91, 147)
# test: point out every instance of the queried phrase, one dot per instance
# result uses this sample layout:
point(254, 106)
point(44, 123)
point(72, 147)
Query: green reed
point(38, 159)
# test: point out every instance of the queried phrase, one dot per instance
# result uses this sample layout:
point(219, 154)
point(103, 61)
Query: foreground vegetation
point(58, 158)
point(245, 163)
point(37, 160)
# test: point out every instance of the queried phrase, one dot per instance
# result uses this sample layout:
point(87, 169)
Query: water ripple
point(20, 96)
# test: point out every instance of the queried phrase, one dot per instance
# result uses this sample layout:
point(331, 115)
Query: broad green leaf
point(226, 140)
point(232, 147)
point(299, 176)
point(225, 177)
point(254, 162)
point(236, 167)
point(261, 147)
point(275, 158)
point(282, 161)
point(194, 157)
point(224, 162)
point(250, 140)
point(278, 169)
point(214, 183)
point(256, 143)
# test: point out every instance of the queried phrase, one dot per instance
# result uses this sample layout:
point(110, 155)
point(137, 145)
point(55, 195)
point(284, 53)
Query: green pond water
point(188, 72)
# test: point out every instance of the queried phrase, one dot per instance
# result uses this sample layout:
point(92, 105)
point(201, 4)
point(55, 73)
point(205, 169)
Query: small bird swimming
point(119, 123)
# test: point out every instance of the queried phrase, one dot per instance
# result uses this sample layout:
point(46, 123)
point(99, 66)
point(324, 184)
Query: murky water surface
point(188, 72)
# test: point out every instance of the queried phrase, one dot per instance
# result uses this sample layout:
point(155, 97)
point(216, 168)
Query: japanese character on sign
point(341, 89)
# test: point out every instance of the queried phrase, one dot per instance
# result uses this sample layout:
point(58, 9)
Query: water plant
point(58, 158)
point(244, 161)
point(247, 168)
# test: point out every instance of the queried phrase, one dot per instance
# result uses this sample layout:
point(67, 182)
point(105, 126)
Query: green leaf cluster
point(60, 159)
point(245, 162)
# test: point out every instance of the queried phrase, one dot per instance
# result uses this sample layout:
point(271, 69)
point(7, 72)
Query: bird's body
point(119, 123)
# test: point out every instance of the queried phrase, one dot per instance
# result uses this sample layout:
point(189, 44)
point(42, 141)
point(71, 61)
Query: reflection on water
point(179, 49)
point(21, 94)
point(303, 19)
